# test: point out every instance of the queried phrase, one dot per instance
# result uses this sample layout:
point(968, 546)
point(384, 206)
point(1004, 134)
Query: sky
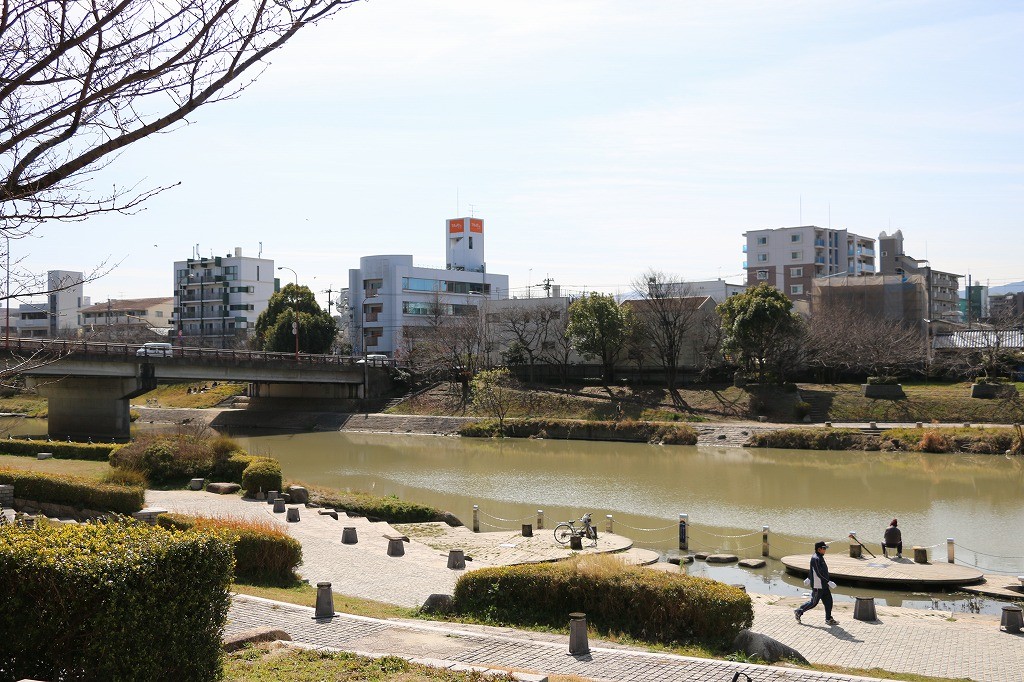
point(597, 139)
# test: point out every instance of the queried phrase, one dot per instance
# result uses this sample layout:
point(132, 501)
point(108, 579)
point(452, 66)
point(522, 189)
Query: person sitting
point(893, 539)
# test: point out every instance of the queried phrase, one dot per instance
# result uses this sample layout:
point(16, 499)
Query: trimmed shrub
point(172, 459)
point(650, 605)
point(573, 429)
point(74, 492)
point(263, 473)
point(229, 468)
point(119, 601)
point(263, 552)
point(97, 452)
point(390, 509)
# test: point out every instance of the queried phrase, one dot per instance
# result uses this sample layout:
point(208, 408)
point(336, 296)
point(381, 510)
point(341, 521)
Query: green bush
point(978, 441)
point(801, 409)
point(97, 452)
point(574, 429)
point(170, 459)
point(229, 468)
point(263, 473)
point(390, 509)
point(74, 492)
point(650, 605)
point(814, 439)
point(263, 552)
point(125, 477)
point(118, 601)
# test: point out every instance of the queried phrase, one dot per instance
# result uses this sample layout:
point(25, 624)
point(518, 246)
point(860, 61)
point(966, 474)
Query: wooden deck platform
point(887, 572)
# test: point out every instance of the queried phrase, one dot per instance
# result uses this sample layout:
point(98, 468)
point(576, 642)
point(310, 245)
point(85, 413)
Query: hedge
point(263, 554)
point(650, 605)
point(815, 439)
point(118, 601)
point(74, 492)
point(574, 429)
point(97, 452)
point(390, 509)
point(263, 473)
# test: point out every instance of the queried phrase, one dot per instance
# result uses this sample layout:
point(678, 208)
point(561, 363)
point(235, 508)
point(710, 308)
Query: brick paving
point(902, 640)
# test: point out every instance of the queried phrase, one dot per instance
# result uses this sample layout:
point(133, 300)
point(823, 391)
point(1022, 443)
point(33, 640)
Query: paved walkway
point(903, 639)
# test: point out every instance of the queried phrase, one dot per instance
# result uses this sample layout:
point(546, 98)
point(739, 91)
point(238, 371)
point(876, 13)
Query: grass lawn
point(304, 594)
point(70, 467)
point(25, 403)
point(177, 395)
point(925, 402)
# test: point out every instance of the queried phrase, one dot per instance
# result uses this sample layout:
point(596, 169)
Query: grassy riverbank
point(995, 440)
point(925, 402)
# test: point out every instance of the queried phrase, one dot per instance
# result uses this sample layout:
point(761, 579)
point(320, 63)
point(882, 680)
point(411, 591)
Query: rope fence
point(686, 533)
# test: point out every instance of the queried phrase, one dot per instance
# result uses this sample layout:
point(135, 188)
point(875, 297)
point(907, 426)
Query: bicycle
point(567, 529)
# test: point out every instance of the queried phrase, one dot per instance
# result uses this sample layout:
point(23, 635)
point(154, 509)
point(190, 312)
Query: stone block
point(438, 603)
point(770, 650)
point(293, 514)
point(44, 455)
point(721, 558)
point(196, 483)
point(752, 563)
point(349, 536)
point(396, 547)
point(223, 488)
point(456, 559)
point(864, 609)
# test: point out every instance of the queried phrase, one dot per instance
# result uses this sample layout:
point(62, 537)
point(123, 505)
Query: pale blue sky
point(596, 138)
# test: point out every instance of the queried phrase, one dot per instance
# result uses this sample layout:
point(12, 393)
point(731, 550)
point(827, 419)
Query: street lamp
point(295, 312)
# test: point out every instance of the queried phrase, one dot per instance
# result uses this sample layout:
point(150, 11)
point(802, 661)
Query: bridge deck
point(888, 572)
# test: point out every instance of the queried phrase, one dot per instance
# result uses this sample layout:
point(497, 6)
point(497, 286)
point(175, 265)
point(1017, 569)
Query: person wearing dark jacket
point(892, 539)
point(821, 586)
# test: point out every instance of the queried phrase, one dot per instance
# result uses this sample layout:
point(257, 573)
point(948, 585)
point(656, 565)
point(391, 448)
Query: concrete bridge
point(88, 385)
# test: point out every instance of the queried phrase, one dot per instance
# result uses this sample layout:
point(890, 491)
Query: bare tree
point(557, 348)
point(847, 340)
point(526, 328)
point(80, 81)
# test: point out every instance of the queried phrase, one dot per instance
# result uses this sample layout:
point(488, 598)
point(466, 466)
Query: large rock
point(752, 563)
point(254, 636)
point(765, 648)
point(298, 494)
point(438, 603)
point(722, 558)
point(223, 488)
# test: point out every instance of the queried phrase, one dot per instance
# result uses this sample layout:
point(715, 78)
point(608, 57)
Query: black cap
point(820, 544)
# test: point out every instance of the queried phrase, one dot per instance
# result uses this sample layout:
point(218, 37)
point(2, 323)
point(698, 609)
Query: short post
point(949, 550)
point(196, 483)
point(293, 514)
point(1012, 619)
point(828, 425)
point(610, 524)
point(527, 530)
point(920, 555)
point(578, 645)
point(764, 540)
point(683, 543)
point(324, 601)
point(864, 609)
point(919, 425)
point(456, 559)
point(279, 505)
point(476, 518)
point(540, 519)
point(872, 425)
point(348, 535)
point(396, 547)
point(576, 543)
point(271, 496)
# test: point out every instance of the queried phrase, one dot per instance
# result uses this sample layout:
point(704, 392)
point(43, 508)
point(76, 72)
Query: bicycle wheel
point(563, 532)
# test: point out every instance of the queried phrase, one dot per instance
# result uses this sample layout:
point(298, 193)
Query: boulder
point(701, 556)
point(680, 560)
point(765, 648)
point(223, 488)
point(752, 563)
point(438, 603)
point(254, 636)
point(298, 494)
point(721, 558)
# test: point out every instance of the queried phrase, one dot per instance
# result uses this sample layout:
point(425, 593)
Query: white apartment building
point(388, 294)
point(59, 315)
point(218, 299)
point(788, 258)
point(716, 289)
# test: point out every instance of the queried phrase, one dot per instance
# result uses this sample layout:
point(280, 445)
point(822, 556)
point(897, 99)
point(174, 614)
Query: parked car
point(375, 360)
point(158, 350)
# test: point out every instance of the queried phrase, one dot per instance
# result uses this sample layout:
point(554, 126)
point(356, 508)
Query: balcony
point(819, 242)
point(744, 248)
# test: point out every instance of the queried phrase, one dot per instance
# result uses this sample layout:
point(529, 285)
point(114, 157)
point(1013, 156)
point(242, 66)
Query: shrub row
point(118, 601)
point(390, 509)
point(814, 439)
point(572, 429)
point(74, 492)
point(651, 605)
point(97, 452)
point(979, 441)
point(263, 552)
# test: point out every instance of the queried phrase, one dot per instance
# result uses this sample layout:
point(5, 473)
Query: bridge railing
point(98, 349)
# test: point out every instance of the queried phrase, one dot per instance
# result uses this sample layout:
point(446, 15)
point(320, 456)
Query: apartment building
point(217, 299)
point(155, 314)
point(1007, 306)
point(716, 289)
point(942, 287)
point(389, 296)
point(788, 258)
point(58, 317)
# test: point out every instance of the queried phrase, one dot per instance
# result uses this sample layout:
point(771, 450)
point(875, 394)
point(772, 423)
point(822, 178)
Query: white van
point(158, 350)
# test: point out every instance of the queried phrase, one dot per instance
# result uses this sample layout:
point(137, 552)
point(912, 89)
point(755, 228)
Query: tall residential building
point(942, 287)
point(59, 315)
point(217, 299)
point(389, 296)
point(788, 258)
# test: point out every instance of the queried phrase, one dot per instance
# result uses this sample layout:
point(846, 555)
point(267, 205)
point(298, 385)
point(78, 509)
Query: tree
point(525, 328)
point(495, 392)
point(273, 331)
point(668, 314)
point(81, 81)
point(558, 348)
point(760, 329)
point(598, 328)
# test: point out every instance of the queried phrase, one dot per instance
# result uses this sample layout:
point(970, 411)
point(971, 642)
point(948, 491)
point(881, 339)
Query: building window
point(796, 255)
point(762, 258)
point(796, 272)
point(762, 275)
point(794, 238)
point(159, 313)
point(884, 254)
point(419, 284)
point(796, 289)
point(471, 242)
point(762, 241)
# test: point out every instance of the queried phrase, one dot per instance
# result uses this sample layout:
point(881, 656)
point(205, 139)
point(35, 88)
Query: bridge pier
point(90, 407)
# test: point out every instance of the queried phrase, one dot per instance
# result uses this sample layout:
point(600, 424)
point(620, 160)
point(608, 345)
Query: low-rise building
point(153, 314)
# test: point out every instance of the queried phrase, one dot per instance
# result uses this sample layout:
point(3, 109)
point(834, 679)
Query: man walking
point(821, 586)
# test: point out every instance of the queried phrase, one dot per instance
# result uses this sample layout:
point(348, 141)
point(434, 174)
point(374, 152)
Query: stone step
point(635, 556)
